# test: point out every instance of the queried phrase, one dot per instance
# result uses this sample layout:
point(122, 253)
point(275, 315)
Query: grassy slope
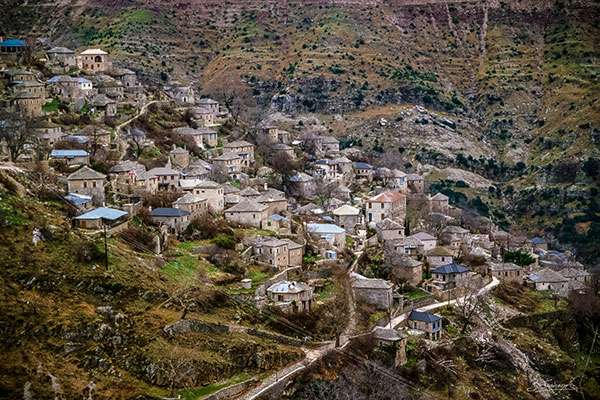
point(49, 299)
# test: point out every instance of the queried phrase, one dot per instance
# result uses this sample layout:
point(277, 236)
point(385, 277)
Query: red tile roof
point(387, 197)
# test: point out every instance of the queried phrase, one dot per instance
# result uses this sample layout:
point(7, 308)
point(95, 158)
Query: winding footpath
point(484, 290)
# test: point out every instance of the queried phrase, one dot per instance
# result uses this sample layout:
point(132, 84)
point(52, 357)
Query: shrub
point(225, 241)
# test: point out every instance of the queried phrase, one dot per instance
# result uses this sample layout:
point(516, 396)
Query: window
point(85, 184)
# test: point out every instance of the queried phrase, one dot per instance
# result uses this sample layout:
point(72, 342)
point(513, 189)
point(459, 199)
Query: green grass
point(328, 286)
point(52, 106)
point(181, 269)
point(416, 294)
point(195, 394)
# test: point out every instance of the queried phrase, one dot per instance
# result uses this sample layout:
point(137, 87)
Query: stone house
point(377, 292)
point(127, 77)
point(363, 171)
point(408, 269)
point(104, 104)
point(344, 166)
point(331, 233)
point(415, 183)
point(277, 224)
point(330, 145)
point(440, 256)
point(62, 56)
point(176, 219)
point(242, 148)
point(182, 95)
point(213, 192)
point(578, 275)
point(112, 88)
point(31, 87)
point(388, 230)
point(450, 276)
point(388, 204)
point(124, 176)
point(180, 157)
point(168, 179)
point(209, 136)
point(196, 171)
point(302, 185)
point(272, 251)
point(15, 76)
point(429, 241)
point(453, 233)
point(11, 49)
point(295, 253)
point(247, 212)
point(327, 170)
point(100, 217)
point(70, 87)
point(391, 337)
point(408, 245)
point(202, 116)
point(539, 243)
point(194, 134)
point(396, 180)
point(71, 157)
point(547, 279)
point(506, 272)
point(439, 203)
point(93, 60)
point(209, 105)
point(298, 294)
point(231, 162)
point(347, 217)
point(194, 204)
point(284, 149)
point(429, 323)
point(50, 132)
point(276, 202)
point(249, 193)
point(147, 182)
point(30, 104)
point(87, 181)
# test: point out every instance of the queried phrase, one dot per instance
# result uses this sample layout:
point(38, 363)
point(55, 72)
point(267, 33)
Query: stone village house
point(89, 182)
point(297, 294)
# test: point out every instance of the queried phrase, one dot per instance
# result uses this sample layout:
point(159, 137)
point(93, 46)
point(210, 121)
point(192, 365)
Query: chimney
point(266, 186)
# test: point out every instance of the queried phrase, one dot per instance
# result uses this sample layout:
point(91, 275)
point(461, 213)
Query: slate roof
point(414, 177)
point(206, 100)
point(238, 143)
point(178, 150)
point(504, 267)
point(453, 268)
point(277, 217)
point(229, 189)
point(163, 171)
point(423, 236)
point(573, 273)
point(440, 197)
point(169, 212)
point(387, 334)
point(387, 197)
point(346, 210)
point(189, 198)
point(79, 199)
point(102, 100)
point(110, 214)
point(184, 130)
point(404, 260)
point(227, 157)
point(127, 166)
point(329, 139)
point(93, 52)
point(362, 165)
point(247, 205)
point(249, 192)
point(440, 251)
point(387, 224)
point(547, 275)
point(454, 229)
point(85, 172)
point(301, 177)
point(423, 317)
point(359, 282)
point(208, 185)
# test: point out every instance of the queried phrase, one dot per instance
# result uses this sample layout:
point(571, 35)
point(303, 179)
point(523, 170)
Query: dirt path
point(118, 135)
point(398, 320)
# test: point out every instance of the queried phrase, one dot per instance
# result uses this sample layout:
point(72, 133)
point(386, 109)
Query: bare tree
point(138, 137)
point(17, 130)
point(219, 174)
point(324, 192)
point(468, 304)
point(94, 133)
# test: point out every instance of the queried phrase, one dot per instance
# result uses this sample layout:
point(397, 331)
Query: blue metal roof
point(537, 240)
point(453, 268)
point(324, 228)
point(13, 43)
point(278, 217)
point(68, 153)
point(423, 317)
point(169, 212)
point(103, 213)
point(79, 199)
point(362, 165)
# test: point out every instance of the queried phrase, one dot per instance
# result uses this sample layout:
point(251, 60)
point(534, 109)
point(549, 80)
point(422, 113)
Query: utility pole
point(105, 248)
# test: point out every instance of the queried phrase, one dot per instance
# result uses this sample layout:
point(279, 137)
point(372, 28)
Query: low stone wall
point(278, 338)
point(232, 391)
point(190, 325)
point(117, 229)
point(318, 274)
